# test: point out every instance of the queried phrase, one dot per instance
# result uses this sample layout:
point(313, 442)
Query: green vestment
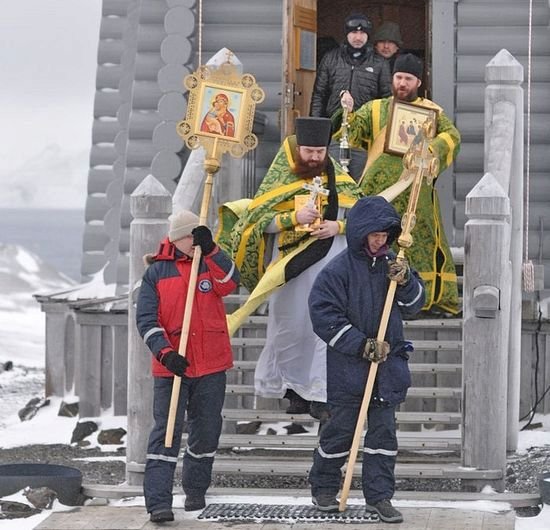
point(430, 254)
point(274, 200)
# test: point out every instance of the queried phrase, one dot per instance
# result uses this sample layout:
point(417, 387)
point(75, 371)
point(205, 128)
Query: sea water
point(53, 235)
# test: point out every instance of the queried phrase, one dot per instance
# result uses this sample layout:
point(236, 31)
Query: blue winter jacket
point(346, 304)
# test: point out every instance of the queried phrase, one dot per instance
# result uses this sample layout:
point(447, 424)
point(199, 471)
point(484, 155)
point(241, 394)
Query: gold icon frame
point(399, 139)
point(240, 95)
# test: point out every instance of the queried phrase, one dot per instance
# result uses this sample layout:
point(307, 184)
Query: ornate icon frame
point(207, 86)
point(404, 111)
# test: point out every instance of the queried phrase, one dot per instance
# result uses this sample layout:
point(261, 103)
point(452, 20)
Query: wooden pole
point(367, 395)
point(419, 160)
point(212, 165)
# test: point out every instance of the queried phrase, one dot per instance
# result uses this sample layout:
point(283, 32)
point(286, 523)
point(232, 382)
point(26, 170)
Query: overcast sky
point(48, 59)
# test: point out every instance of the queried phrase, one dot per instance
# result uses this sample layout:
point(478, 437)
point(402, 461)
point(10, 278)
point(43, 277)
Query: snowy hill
point(23, 274)
point(53, 178)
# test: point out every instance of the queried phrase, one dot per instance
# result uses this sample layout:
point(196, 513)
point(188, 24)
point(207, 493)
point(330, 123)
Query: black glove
point(202, 237)
point(375, 351)
point(399, 271)
point(175, 362)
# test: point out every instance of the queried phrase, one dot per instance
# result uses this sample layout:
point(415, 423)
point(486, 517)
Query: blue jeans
point(379, 452)
point(202, 398)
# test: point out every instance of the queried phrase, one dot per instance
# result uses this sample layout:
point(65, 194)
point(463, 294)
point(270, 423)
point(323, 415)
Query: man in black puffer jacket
point(353, 67)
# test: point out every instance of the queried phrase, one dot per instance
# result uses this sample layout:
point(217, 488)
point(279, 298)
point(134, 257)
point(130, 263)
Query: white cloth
point(294, 357)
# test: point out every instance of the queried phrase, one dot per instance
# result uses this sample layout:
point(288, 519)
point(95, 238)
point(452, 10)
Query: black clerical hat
point(409, 64)
point(313, 132)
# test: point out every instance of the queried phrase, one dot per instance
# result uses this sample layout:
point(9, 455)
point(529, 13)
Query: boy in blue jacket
point(346, 304)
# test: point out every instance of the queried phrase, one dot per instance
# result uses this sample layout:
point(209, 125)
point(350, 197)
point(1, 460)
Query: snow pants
point(379, 452)
point(202, 398)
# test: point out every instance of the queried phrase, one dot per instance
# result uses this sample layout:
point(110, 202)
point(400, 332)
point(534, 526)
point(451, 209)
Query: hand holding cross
point(315, 190)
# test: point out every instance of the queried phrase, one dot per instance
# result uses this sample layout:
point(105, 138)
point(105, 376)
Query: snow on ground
point(22, 332)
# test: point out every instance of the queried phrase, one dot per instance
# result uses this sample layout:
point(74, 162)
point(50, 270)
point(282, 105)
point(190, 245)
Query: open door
point(299, 60)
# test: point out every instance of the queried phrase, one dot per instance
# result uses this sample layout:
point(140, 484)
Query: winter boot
point(385, 511)
point(298, 405)
point(162, 516)
point(326, 502)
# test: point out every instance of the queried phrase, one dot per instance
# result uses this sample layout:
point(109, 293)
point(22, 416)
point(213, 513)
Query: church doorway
point(312, 27)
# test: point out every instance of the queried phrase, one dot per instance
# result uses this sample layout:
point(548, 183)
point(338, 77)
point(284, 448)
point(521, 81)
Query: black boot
point(319, 411)
point(298, 405)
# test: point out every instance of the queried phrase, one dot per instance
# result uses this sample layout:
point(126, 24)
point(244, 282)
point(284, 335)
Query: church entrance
point(312, 27)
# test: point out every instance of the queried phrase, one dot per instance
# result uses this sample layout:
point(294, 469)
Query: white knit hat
point(181, 224)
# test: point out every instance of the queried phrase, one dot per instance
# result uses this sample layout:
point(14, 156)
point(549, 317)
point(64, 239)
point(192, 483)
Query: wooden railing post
point(150, 205)
point(59, 370)
point(504, 148)
point(487, 273)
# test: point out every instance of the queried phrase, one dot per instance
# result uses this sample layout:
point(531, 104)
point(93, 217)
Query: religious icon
point(223, 106)
point(404, 123)
point(220, 111)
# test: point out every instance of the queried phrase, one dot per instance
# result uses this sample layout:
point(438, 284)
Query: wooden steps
point(274, 416)
point(232, 464)
point(419, 345)
point(423, 323)
point(428, 422)
point(426, 368)
point(414, 392)
point(409, 441)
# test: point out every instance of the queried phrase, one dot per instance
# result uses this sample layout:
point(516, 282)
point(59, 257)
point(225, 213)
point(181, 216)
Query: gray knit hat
point(388, 31)
point(181, 224)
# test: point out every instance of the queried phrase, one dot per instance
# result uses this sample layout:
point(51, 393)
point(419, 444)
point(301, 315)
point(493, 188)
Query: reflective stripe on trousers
point(202, 399)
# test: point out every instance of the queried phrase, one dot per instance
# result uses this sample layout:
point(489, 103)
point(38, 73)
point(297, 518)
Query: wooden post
point(504, 97)
point(89, 347)
point(487, 273)
point(150, 205)
point(56, 319)
point(120, 369)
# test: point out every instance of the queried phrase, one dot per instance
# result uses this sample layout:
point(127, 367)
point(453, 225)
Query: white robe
point(293, 356)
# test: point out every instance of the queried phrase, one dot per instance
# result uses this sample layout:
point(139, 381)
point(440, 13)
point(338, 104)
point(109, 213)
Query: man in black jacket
point(353, 67)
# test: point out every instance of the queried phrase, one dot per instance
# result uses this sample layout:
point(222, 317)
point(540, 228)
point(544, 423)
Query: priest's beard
point(404, 95)
point(308, 170)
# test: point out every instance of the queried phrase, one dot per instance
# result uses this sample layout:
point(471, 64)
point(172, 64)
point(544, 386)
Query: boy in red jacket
point(208, 355)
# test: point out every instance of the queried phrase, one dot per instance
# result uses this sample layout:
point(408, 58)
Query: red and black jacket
point(161, 303)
